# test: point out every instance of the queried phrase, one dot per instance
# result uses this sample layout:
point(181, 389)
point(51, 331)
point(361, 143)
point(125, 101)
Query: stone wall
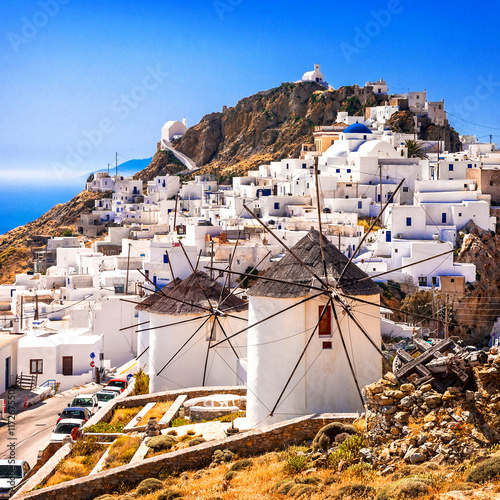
point(273, 437)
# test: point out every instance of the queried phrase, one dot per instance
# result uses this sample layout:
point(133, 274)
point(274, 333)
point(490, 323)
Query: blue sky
point(81, 79)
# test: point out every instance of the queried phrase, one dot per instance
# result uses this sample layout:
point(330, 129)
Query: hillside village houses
point(83, 295)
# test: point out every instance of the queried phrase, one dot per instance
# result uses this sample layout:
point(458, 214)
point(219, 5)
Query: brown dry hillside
point(15, 256)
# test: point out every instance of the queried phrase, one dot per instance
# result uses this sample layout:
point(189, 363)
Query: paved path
point(184, 159)
point(31, 429)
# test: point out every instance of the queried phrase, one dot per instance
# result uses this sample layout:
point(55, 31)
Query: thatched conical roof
point(151, 299)
point(308, 249)
point(193, 291)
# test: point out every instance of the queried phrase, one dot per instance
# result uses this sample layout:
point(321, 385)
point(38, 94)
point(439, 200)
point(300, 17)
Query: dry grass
point(122, 451)
point(157, 412)
point(124, 415)
point(77, 464)
point(257, 481)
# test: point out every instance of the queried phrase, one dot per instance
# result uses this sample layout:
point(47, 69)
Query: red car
point(117, 382)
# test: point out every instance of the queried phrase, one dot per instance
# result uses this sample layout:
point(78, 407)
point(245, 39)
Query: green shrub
point(148, 486)
point(178, 422)
point(229, 475)
point(301, 490)
point(191, 433)
point(172, 433)
point(295, 462)
point(326, 435)
point(104, 427)
point(169, 495)
point(161, 443)
point(197, 440)
point(353, 491)
point(221, 456)
point(284, 486)
point(348, 451)
point(309, 480)
point(241, 464)
point(86, 447)
point(484, 471)
point(409, 487)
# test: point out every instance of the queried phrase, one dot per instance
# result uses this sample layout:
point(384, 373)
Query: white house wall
point(186, 370)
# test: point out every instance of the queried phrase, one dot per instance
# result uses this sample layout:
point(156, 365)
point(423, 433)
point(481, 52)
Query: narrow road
point(188, 162)
point(31, 429)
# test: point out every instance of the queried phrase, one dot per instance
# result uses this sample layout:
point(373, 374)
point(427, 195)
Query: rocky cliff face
point(402, 121)
point(268, 126)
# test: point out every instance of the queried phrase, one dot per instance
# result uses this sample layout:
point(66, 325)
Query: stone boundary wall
point(105, 413)
point(273, 437)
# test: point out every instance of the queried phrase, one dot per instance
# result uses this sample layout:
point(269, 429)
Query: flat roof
point(8, 338)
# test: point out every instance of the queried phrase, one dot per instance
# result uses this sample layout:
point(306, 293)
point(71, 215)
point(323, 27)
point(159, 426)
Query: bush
point(169, 495)
point(353, 491)
point(296, 462)
point(172, 433)
point(148, 486)
point(241, 464)
point(327, 434)
point(301, 490)
point(161, 443)
point(229, 475)
point(104, 427)
point(196, 441)
point(191, 433)
point(410, 487)
point(221, 456)
point(484, 471)
point(141, 383)
point(86, 447)
point(178, 422)
point(309, 480)
point(348, 451)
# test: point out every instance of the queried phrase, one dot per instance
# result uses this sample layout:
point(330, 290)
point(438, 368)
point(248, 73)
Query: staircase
point(24, 381)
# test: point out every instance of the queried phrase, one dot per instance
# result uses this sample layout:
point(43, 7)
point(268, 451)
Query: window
point(327, 345)
point(460, 214)
point(276, 206)
point(405, 189)
point(408, 221)
point(337, 171)
point(491, 183)
point(396, 250)
point(304, 165)
point(452, 280)
point(360, 204)
point(469, 165)
point(450, 167)
point(443, 218)
point(287, 166)
point(36, 366)
point(466, 186)
point(325, 325)
point(434, 280)
point(422, 281)
point(348, 170)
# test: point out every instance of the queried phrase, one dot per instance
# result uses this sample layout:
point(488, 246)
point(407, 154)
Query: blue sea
point(23, 203)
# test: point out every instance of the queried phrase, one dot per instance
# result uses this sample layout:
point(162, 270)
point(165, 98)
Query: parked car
point(104, 396)
point(64, 428)
point(116, 390)
point(79, 412)
point(117, 382)
point(12, 472)
point(86, 400)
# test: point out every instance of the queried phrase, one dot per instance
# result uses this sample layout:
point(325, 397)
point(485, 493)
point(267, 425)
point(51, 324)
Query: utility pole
point(108, 169)
point(128, 267)
point(116, 163)
point(491, 138)
point(22, 311)
point(380, 188)
point(446, 316)
point(35, 317)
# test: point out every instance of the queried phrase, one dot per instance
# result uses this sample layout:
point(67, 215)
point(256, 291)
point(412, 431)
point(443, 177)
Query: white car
point(108, 388)
point(12, 472)
point(104, 397)
point(87, 401)
point(64, 428)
